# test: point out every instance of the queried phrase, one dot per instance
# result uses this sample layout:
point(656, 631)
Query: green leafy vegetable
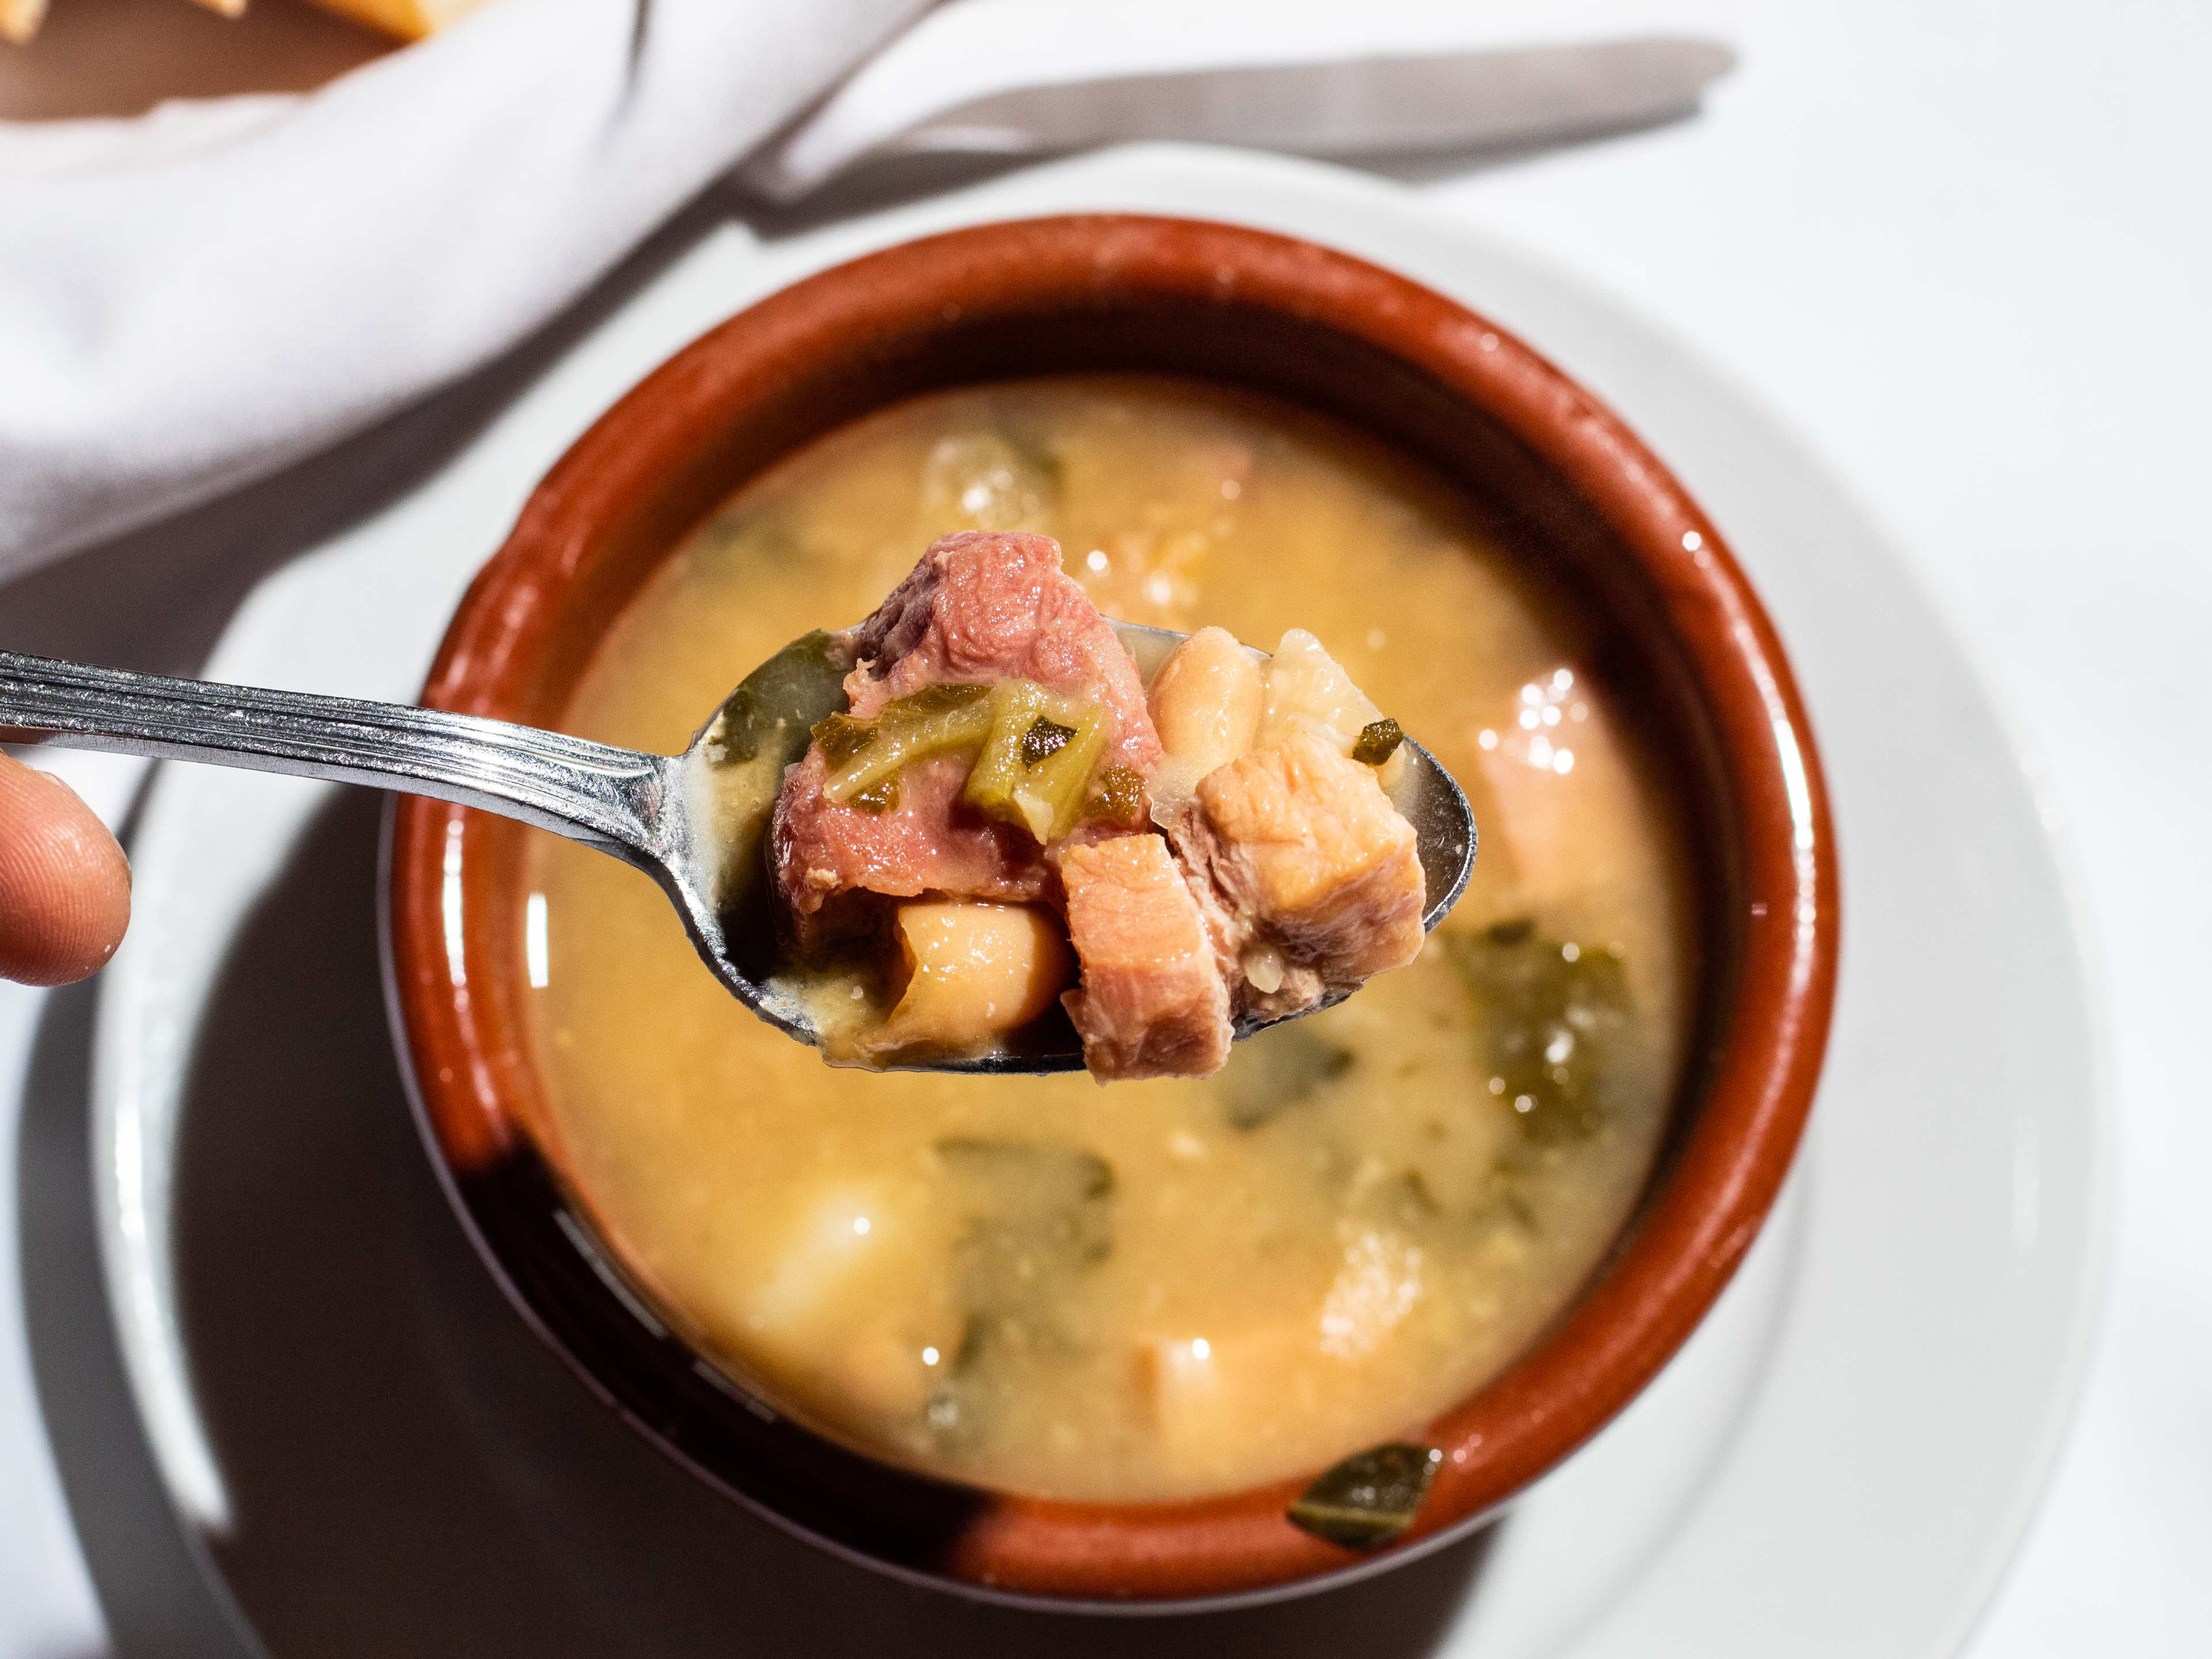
point(1031, 1206)
point(1016, 705)
point(842, 737)
point(1119, 795)
point(1403, 1200)
point(1044, 738)
point(1552, 1013)
point(1269, 1073)
point(1038, 1216)
point(760, 729)
point(879, 796)
point(774, 707)
point(990, 480)
point(937, 720)
point(1368, 1498)
point(1377, 741)
point(1035, 767)
point(933, 700)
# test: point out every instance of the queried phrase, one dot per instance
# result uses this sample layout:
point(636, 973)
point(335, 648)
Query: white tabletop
point(1967, 249)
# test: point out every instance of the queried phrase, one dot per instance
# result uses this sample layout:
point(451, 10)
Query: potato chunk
point(975, 971)
point(840, 1313)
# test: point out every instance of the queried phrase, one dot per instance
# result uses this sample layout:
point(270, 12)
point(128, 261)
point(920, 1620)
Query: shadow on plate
point(408, 1468)
point(871, 185)
point(154, 1593)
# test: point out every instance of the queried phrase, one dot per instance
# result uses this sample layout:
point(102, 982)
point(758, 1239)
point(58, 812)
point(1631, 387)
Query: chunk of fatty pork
point(1151, 1001)
point(1309, 878)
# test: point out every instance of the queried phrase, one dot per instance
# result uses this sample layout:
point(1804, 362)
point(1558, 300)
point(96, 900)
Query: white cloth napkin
point(192, 300)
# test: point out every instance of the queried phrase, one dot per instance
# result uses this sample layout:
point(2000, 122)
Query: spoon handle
point(611, 798)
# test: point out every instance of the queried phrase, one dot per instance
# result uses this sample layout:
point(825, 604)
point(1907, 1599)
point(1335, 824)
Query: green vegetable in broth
point(1031, 1207)
point(932, 701)
point(879, 796)
point(1038, 1216)
point(1051, 792)
point(989, 480)
point(1034, 767)
point(1404, 1199)
point(805, 676)
point(1369, 1497)
point(1016, 705)
point(1119, 795)
point(841, 738)
point(1551, 1011)
point(1269, 1073)
point(1377, 741)
point(1044, 738)
point(938, 720)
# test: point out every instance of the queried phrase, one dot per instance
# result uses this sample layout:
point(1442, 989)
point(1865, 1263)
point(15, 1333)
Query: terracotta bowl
point(1567, 487)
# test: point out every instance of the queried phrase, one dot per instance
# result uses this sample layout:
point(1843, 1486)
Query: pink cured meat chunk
point(980, 606)
point(1152, 1002)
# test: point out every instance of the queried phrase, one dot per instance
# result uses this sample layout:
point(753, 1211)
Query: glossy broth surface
point(1164, 1289)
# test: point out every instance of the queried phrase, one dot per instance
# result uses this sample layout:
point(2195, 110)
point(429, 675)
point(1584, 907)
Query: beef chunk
point(1152, 1001)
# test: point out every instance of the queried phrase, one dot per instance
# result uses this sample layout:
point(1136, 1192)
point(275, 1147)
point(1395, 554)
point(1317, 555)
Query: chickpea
point(976, 970)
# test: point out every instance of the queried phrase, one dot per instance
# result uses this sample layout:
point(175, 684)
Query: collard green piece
point(880, 797)
point(1044, 738)
point(933, 700)
point(1036, 765)
point(991, 479)
point(760, 729)
point(1118, 797)
point(1552, 1012)
point(938, 720)
point(1038, 1216)
point(776, 705)
point(1269, 1073)
point(841, 738)
point(1368, 1498)
point(1377, 741)
point(1032, 1205)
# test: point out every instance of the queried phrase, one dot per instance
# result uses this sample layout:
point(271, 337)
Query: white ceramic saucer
point(377, 1458)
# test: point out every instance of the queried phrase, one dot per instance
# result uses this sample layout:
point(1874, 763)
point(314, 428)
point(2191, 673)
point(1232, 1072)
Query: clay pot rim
point(1707, 1207)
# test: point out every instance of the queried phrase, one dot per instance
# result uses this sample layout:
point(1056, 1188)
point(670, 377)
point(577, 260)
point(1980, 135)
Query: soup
point(1169, 1288)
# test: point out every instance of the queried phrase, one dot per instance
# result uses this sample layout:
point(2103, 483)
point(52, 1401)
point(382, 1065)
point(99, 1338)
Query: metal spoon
point(684, 819)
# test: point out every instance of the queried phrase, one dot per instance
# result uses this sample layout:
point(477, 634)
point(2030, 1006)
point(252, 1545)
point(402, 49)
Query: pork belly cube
point(1311, 876)
point(1152, 1001)
point(981, 606)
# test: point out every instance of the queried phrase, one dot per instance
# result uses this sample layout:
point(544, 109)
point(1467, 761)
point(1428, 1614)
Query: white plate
point(378, 1458)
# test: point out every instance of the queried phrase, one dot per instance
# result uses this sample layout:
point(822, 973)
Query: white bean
point(1206, 703)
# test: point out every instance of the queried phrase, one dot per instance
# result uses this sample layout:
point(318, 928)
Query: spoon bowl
point(720, 883)
point(693, 822)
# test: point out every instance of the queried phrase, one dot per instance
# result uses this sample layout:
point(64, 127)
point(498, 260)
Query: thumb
point(64, 884)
